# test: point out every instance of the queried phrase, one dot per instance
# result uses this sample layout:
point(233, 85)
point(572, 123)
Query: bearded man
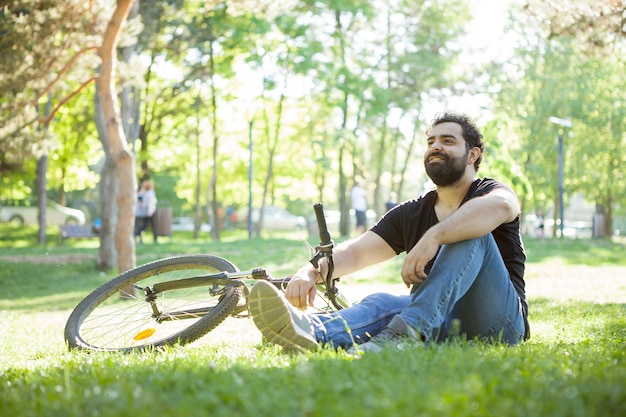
point(464, 264)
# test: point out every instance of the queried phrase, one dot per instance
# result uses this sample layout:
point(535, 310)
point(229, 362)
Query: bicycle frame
point(225, 280)
point(230, 279)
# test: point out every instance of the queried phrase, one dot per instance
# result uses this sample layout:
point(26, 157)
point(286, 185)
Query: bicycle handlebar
point(321, 225)
point(325, 250)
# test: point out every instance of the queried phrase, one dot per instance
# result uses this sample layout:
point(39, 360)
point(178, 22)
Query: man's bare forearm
point(477, 217)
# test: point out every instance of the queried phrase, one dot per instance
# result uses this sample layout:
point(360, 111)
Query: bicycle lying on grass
point(179, 299)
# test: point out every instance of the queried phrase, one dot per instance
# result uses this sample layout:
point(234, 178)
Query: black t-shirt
point(403, 226)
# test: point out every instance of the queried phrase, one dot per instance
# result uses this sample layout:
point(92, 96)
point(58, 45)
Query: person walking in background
point(358, 197)
point(145, 209)
point(540, 227)
point(391, 202)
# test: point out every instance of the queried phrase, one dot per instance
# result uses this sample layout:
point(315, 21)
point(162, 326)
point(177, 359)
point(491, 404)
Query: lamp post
point(250, 168)
point(563, 123)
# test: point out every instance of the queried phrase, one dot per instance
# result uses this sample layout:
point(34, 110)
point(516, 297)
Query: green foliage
point(500, 163)
point(596, 26)
point(553, 78)
point(46, 57)
point(330, 80)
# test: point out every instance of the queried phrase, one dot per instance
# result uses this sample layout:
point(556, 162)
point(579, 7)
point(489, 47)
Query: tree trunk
point(121, 154)
point(130, 95)
point(272, 145)
point(407, 160)
point(107, 255)
point(609, 216)
point(197, 205)
point(42, 168)
point(212, 199)
point(42, 184)
point(344, 208)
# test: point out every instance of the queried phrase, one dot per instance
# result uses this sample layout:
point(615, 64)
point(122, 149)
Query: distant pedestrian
point(358, 197)
point(540, 228)
point(391, 202)
point(145, 209)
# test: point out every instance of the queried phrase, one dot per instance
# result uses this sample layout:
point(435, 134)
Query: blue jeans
point(468, 292)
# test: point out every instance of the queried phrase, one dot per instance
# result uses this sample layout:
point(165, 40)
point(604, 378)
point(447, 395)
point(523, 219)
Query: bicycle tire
point(105, 321)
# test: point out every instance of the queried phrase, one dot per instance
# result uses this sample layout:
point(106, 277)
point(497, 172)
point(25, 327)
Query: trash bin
point(599, 226)
point(163, 221)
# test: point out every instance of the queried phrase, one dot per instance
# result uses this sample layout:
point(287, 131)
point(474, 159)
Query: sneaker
point(396, 333)
point(279, 321)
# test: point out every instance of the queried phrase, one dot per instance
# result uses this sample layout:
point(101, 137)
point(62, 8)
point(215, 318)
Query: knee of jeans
point(504, 332)
point(386, 302)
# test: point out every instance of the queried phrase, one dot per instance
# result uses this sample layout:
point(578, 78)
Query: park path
point(555, 280)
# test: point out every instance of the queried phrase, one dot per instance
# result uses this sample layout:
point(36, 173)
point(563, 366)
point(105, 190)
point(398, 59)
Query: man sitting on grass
point(465, 263)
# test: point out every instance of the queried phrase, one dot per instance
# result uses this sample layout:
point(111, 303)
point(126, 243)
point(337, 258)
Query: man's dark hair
point(471, 134)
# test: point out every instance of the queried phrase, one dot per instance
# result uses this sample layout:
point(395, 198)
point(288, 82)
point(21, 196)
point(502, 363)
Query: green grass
point(574, 364)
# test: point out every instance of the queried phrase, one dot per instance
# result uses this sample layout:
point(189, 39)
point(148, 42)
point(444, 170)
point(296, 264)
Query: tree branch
point(62, 72)
point(61, 103)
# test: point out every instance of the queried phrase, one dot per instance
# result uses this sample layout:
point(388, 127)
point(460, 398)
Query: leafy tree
point(284, 56)
point(415, 56)
point(528, 103)
point(597, 29)
point(115, 143)
point(45, 44)
point(597, 25)
point(73, 162)
point(555, 79)
point(597, 163)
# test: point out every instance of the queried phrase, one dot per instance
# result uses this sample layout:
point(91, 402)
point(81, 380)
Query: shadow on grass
point(38, 287)
point(28, 283)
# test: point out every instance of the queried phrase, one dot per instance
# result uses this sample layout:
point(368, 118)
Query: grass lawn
point(574, 364)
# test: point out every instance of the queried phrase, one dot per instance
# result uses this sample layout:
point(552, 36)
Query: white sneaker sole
point(271, 314)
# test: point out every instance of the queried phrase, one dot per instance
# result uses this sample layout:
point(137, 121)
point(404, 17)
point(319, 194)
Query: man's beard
point(447, 172)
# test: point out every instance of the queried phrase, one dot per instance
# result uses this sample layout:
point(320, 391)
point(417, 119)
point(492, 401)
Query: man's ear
point(474, 154)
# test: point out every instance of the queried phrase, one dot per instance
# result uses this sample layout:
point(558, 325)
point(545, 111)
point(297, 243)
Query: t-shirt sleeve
point(389, 227)
point(402, 226)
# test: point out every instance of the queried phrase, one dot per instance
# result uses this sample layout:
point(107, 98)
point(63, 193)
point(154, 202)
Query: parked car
point(186, 224)
point(25, 212)
point(274, 218)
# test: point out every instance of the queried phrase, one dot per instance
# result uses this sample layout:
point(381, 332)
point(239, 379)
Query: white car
point(274, 218)
point(186, 224)
point(25, 212)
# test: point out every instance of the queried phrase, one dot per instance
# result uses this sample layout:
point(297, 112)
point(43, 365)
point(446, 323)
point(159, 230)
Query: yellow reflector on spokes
point(144, 334)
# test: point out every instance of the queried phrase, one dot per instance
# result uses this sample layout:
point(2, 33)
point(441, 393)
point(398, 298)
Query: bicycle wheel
point(119, 316)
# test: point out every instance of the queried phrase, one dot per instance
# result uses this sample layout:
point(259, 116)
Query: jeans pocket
point(504, 332)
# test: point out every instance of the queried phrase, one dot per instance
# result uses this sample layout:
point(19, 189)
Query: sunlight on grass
point(573, 365)
point(52, 302)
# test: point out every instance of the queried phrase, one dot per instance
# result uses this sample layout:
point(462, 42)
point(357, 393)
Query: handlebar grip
point(321, 225)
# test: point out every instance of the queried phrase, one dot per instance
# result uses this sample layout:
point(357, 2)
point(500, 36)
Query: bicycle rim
point(118, 317)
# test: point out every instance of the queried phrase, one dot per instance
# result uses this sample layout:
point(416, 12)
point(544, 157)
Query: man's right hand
point(301, 289)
